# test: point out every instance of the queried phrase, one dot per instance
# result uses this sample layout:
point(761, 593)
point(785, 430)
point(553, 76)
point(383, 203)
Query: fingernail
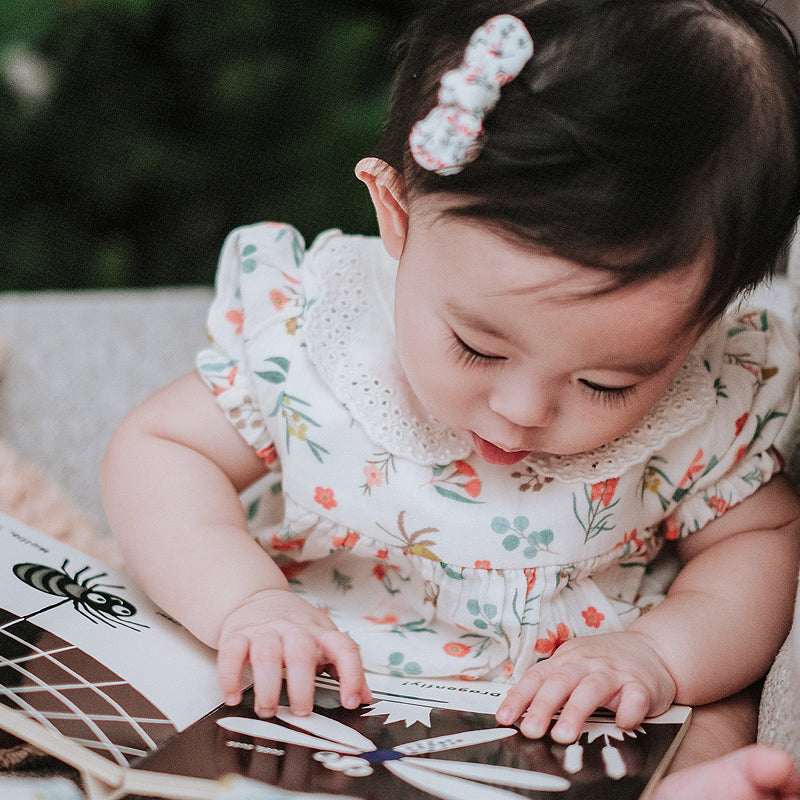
point(354, 701)
point(505, 716)
point(232, 699)
point(561, 735)
point(265, 712)
point(532, 728)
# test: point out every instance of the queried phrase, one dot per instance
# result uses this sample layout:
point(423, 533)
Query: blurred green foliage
point(135, 133)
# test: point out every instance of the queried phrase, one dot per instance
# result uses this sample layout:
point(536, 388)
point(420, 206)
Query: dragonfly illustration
point(343, 749)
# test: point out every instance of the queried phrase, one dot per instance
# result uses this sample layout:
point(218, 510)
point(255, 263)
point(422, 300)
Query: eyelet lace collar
point(349, 332)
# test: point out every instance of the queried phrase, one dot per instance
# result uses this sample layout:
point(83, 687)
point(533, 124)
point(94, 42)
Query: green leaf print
point(598, 515)
point(451, 495)
point(252, 509)
point(415, 626)
point(288, 406)
point(516, 530)
point(249, 264)
point(653, 480)
point(218, 366)
point(538, 540)
point(344, 583)
point(484, 619)
point(455, 574)
point(762, 422)
point(272, 377)
point(461, 482)
point(396, 660)
point(298, 249)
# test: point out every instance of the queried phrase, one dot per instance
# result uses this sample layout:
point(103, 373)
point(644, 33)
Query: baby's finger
point(231, 658)
point(266, 661)
point(635, 703)
point(346, 659)
point(596, 689)
point(552, 695)
point(301, 654)
point(518, 697)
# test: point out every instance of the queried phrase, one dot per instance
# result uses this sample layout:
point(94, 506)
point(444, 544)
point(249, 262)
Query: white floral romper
point(436, 562)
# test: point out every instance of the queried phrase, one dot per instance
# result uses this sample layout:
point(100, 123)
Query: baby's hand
point(274, 629)
point(619, 671)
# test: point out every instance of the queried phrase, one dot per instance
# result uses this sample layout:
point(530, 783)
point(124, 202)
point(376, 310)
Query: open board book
point(94, 674)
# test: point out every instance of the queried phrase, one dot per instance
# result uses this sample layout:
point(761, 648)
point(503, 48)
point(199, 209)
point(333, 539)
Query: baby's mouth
point(496, 455)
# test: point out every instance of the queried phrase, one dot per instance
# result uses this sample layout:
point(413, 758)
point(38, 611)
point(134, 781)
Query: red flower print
point(530, 574)
point(604, 491)
point(553, 641)
point(325, 498)
point(740, 452)
point(483, 565)
point(289, 278)
point(465, 469)
point(633, 537)
point(592, 617)
point(456, 649)
point(268, 454)
point(373, 475)
point(278, 299)
point(382, 554)
point(508, 669)
point(473, 487)
point(389, 619)
point(286, 544)
point(672, 531)
point(694, 468)
point(718, 504)
point(236, 317)
point(347, 542)
point(379, 571)
point(741, 422)
point(465, 677)
point(230, 377)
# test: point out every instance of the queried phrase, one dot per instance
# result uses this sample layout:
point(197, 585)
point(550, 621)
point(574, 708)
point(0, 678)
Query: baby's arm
point(717, 631)
point(171, 480)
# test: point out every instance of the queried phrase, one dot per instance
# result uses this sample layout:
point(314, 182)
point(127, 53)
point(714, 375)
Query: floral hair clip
point(448, 138)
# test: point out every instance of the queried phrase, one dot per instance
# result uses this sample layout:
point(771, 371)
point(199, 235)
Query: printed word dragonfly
point(343, 749)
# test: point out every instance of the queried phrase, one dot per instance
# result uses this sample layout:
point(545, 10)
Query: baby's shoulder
point(755, 346)
point(752, 364)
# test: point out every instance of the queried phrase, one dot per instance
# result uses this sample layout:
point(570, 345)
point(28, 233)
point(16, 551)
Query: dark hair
point(640, 132)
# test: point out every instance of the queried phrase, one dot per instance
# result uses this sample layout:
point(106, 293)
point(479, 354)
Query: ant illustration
point(84, 594)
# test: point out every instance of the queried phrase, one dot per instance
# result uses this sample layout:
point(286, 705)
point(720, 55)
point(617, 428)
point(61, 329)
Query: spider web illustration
point(57, 684)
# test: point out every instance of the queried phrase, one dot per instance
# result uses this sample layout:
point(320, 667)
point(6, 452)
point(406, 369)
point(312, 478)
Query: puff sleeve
point(755, 380)
point(258, 294)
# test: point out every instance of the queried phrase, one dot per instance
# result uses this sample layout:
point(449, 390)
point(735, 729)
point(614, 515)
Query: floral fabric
point(438, 563)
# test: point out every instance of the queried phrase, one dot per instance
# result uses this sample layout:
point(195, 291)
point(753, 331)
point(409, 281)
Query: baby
point(489, 421)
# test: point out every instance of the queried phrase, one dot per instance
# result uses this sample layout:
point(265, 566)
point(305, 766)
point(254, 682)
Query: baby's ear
point(387, 190)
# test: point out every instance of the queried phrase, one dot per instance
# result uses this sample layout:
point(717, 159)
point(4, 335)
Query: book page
point(85, 652)
point(421, 739)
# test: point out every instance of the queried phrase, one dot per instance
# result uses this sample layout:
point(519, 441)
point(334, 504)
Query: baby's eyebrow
point(642, 369)
point(633, 366)
point(475, 321)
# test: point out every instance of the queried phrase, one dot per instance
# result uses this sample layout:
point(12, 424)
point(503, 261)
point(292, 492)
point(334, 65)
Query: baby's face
point(523, 351)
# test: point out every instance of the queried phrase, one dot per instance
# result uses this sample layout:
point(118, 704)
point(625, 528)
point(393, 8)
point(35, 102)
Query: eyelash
point(612, 395)
point(467, 356)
